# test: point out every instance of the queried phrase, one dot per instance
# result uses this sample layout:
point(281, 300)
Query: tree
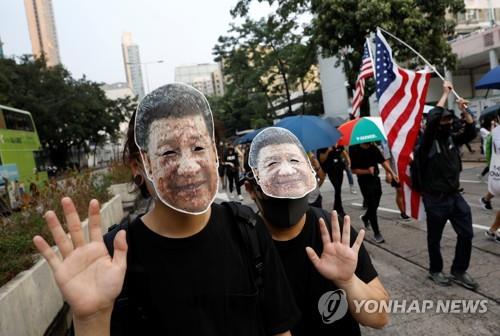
point(68, 113)
point(339, 28)
point(267, 58)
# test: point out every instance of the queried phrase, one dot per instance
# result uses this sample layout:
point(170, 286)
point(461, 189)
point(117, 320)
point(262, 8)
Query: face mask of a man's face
point(282, 170)
point(182, 163)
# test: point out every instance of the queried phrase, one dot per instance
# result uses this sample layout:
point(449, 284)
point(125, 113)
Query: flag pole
point(371, 58)
point(419, 55)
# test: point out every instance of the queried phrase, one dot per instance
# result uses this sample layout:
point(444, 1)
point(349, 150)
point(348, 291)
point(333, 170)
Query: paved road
point(403, 260)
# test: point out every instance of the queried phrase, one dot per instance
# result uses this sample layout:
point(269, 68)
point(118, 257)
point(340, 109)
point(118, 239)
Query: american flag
point(401, 96)
point(365, 72)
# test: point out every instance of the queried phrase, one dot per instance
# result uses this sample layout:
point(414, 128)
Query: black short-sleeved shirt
point(203, 285)
point(233, 158)
point(333, 160)
point(362, 158)
point(308, 285)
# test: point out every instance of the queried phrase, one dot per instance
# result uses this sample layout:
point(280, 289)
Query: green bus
point(20, 156)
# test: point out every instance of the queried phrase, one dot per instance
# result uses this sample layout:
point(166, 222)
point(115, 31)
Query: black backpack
point(244, 218)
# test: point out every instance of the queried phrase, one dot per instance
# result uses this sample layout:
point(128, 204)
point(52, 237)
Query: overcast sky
point(89, 33)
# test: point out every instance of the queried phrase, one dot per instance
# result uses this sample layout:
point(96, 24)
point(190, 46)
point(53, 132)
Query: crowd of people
point(192, 266)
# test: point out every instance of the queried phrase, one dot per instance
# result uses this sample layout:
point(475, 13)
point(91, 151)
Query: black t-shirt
point(332, 160)
point(232, 157)
point(203, 284)
point(362, 158)
point(308, 285)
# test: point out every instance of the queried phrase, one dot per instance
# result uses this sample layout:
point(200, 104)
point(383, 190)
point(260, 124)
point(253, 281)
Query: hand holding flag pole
point(422, 57)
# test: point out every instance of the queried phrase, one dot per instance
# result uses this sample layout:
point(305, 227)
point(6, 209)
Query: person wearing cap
point(441, 166)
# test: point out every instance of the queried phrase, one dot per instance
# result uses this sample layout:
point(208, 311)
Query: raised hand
point(338, 260)
point(89, 279)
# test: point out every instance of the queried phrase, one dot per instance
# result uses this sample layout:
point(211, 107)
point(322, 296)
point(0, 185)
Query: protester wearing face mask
point(344, 262)
point(183, 268)
point(441, 165)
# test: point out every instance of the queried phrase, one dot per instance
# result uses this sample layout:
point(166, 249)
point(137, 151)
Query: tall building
point(1, 48)
point(132, 62)
point(206, 77)
point(42, 28)
point(478, 14)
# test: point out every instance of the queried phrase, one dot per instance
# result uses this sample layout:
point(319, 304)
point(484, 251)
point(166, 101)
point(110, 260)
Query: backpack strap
point(246, 221)
point(112, 232)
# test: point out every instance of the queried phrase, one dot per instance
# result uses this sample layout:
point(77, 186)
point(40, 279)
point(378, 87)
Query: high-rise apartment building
point(1, 48)
point(42, 28)
point(132, 62)
point(205, 77)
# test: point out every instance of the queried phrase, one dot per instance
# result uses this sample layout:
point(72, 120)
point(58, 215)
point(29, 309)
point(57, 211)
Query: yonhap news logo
point(332, 306)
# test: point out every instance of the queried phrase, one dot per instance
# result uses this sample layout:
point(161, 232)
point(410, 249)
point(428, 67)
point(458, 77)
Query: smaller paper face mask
point(174, 130)
point(280, 164)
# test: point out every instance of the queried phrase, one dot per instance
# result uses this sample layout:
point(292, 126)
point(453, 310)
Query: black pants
point(336, 176)
point(440, 208)
point(232, 176)
point(371, 189)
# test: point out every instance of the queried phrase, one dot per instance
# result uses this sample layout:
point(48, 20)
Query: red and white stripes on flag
point(401, 94)
point(365, 72)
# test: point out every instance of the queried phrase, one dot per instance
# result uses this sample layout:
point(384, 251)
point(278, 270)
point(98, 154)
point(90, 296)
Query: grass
point(17, 252)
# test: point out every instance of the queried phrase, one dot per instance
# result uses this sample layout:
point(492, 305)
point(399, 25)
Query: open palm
point(338, 260)
point(89, 279)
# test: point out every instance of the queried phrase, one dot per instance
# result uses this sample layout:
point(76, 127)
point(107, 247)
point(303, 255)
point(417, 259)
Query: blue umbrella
point(313, 132)
point(247, 138)
point(490, 81)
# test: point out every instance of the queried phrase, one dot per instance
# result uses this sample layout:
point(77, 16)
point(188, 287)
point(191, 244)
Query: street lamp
point(145, 70)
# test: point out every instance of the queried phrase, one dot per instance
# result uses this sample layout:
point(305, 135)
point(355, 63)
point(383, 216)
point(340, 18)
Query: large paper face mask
point(175, 132)
point(280, 164)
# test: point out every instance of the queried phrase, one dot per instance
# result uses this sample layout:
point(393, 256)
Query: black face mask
point(444, 130)
point(283, 212)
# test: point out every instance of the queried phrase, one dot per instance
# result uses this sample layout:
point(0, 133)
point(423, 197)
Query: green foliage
point(17, 252)
point(339, 27)
point(68, 113)
point(264, 62)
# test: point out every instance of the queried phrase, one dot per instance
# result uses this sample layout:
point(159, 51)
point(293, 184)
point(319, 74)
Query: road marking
point(470, 181)
point(477, 226)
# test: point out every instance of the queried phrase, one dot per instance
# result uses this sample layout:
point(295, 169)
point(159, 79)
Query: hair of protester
point(174, 100)
point(280, 136)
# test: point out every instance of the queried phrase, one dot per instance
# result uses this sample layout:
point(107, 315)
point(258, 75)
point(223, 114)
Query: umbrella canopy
point(362, 130)
point(312, 131)
point(490, 111)
point(490, 81)
point(247, 138)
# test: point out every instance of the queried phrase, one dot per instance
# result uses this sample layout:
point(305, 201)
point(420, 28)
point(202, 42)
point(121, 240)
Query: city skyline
point(42, 30)
point(132, 65)
point(163, 30)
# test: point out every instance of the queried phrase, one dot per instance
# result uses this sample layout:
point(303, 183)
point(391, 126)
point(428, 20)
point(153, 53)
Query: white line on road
point(477, 226)
point(470, 181)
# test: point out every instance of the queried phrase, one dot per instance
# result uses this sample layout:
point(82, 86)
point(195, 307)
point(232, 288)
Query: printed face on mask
point(283, 171)
point(182, 163)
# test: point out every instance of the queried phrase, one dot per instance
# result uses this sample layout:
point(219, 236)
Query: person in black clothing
point(344, 263)
point(365, 159)
point(332, 161)
point(189, 274)
point(232, 164)
point(441, 165)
